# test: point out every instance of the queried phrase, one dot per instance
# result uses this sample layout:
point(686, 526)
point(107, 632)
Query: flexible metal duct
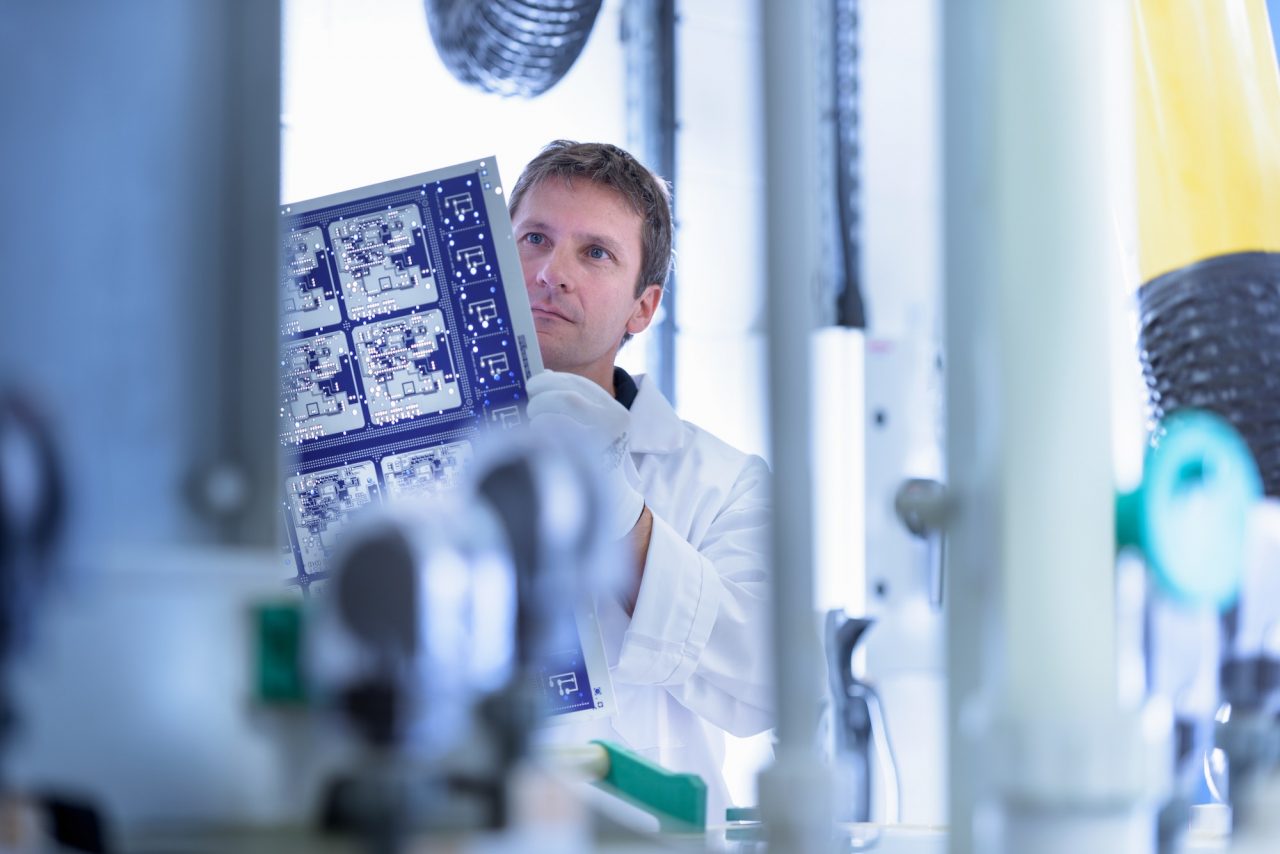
point(510, 47)
point(1210, 339)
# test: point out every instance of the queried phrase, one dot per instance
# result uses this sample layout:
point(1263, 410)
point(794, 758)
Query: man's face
point(580, 248)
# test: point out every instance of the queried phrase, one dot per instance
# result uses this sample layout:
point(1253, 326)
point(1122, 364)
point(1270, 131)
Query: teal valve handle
point(679, 801)
point(281, 677)
point(1129, 510)
point(1189, 516)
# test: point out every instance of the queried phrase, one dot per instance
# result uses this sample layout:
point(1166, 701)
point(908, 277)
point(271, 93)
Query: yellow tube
point(1208, 131)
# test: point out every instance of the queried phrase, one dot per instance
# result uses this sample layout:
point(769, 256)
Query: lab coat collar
point(655, 427)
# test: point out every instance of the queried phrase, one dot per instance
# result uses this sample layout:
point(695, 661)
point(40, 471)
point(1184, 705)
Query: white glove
point(568, 403)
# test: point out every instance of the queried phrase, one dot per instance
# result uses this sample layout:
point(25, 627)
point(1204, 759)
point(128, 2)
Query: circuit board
point(425, 472)
point(405, 335)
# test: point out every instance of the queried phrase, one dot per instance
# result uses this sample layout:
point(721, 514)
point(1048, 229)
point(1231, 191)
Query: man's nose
point(554, 272)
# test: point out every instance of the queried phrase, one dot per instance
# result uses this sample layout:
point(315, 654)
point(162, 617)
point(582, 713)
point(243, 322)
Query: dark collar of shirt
point(624, 387)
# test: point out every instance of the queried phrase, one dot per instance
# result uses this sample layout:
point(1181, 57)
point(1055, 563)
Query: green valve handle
point(1189, 515)
point(281, 679)
point(679, 801)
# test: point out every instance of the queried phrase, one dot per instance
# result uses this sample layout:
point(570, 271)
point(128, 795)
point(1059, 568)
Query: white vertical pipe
point(1038, 153)
point(793, 258)
point(1054, 285)
point(795, 791)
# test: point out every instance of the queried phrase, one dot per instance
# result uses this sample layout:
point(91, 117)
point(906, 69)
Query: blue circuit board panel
point(565, 684)
point(405, 335)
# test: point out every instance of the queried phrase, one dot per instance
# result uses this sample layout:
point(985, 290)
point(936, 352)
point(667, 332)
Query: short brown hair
point(610, 166)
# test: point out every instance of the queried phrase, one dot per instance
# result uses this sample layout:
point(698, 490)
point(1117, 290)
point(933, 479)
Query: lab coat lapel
point(655, 427)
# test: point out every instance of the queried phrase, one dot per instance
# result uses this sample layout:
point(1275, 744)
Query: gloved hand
point(569, 403)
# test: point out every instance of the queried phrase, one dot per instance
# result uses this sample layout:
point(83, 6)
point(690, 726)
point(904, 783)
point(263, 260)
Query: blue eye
point(534, 238)
point(597, 253)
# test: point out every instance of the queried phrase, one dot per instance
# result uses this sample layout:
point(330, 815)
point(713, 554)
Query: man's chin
point(552, 357)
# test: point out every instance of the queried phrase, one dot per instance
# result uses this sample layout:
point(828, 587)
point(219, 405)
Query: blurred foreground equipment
point(430, 641)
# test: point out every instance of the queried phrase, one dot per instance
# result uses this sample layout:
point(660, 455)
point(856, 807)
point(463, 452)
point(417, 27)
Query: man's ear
point(646, 306)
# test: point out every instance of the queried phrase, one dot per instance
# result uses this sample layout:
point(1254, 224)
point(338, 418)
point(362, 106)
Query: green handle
point(679, 801)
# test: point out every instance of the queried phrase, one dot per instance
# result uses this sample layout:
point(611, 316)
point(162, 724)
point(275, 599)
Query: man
point(686, 642)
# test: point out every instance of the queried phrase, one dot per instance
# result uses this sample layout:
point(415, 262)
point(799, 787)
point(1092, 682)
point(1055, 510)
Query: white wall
point(367, 99)
point(720, 354)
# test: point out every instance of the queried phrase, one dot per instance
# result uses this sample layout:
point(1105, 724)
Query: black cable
point(850, 309)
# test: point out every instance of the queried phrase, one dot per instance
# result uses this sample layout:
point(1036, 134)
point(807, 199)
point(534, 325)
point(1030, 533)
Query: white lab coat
point(692, 662)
